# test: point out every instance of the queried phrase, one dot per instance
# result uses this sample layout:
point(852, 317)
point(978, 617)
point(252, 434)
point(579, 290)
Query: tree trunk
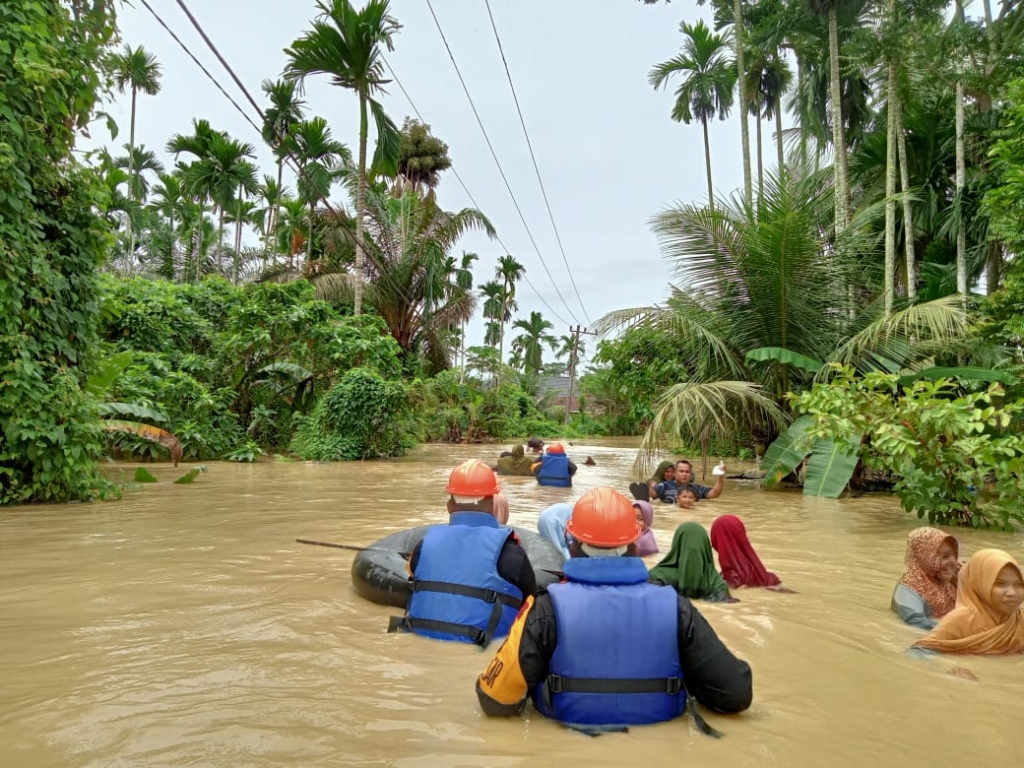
point(892, 108)
point(309, 240)
point(360, 203)
point(131, 178)
point(707, 163)
point(277, 209)
point(778, 130)
point(220, 241)
point(737, 12)
point(908, 206)
point(238, 237)
point(961, 181)
point(760, 161)
point(838, 132)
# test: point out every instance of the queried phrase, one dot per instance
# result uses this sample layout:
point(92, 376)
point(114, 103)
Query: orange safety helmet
point(472, 479)
point(556, 448)
point(605, 518)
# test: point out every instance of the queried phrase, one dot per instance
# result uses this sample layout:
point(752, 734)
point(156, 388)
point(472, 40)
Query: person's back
point(555, 469)
point(469, 577)
point(654, 647)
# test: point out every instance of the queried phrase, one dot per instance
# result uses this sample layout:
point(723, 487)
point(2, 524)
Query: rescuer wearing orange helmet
point(469, 577)
point(554, 467)
point(605, 648)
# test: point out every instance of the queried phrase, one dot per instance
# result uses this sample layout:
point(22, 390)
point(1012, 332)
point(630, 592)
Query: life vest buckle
point(554, 683)
point(674, 686)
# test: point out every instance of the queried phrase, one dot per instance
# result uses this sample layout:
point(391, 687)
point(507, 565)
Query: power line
point(533, 157)
point(497, 162)
point(200, 65)
point(470, 194)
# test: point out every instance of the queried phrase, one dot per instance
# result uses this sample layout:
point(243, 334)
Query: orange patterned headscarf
point(922, 569)
point(973, 626)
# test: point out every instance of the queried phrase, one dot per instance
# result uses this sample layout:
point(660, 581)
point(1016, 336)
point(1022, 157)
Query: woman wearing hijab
point(689, 566)
point(988, 619)
point(551, 525)
point(645, 545)
point(741, 567)
point(927, 590)
point(515, 464)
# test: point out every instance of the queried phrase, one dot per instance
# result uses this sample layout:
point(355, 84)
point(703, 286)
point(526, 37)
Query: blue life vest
point(617, 658)
point(457, 593)
point(554, 470)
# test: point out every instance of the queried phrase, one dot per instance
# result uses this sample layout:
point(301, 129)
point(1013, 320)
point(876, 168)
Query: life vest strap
point(481, 637)
point(487, 595)
point(668, 685)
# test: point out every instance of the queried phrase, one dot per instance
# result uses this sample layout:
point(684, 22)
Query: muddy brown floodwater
point(183, 626)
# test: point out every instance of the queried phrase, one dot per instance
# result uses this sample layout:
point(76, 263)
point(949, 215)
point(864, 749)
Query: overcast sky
point(608, 152)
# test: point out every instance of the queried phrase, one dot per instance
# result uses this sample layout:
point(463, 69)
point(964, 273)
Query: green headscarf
point(659, 473)
point(690, 567)
point(516, 464)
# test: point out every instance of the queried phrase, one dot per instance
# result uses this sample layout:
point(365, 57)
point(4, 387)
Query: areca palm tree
point(830, 9)
point(319, 159)
point(464, 282)
point(765, 304)
point(348, 45)
point(198, 144)
point(509, 272)
point(137, 160)
point(530, 343)
point(493, 294)
point(135, 69)
point(707, 86)
point(226, 176)
point(286, 110)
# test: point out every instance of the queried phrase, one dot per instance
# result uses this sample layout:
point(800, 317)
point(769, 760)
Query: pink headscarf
point(646, 545)
point(500, 508)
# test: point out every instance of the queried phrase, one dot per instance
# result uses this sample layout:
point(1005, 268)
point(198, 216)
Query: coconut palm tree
point(708, 81)
point(135, 69)
point(348, 46)
point(530, 343)
point(764, 306)
point(286, 110)
point(320, 158)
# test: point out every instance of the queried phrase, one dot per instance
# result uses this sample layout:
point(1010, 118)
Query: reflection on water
point(183, 626)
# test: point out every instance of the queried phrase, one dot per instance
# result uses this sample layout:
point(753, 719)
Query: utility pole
point(572, 363)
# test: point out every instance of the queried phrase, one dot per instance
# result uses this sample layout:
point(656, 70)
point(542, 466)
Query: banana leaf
point(784, 455)
point(830, 467)
point(148, 432)
point(105, 371)
point(969, 374)
point(142, 475)
point(783, 355)
point(131, 409)
point(188, 477)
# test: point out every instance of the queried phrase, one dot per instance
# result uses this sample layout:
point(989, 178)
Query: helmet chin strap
point(591, 551)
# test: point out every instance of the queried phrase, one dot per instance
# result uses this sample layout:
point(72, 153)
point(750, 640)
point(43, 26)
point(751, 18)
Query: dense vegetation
point(202, 303)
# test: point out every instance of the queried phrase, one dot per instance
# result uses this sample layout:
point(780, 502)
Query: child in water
point(686, 496)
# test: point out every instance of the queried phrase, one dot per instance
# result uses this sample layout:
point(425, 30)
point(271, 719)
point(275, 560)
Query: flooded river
point(183, 626)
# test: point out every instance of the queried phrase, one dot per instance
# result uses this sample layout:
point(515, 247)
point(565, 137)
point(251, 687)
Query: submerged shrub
point(362, 417)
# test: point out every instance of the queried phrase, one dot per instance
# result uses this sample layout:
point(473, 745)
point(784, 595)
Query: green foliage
point(188, 477)
point(1004, 203)
point(959, 457)
point(230, 368)
point(52, 237)
point(364, 416)
point(143, 475)
point(631, 373)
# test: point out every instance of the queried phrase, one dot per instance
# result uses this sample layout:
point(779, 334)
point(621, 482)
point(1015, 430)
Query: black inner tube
point(381, 574)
